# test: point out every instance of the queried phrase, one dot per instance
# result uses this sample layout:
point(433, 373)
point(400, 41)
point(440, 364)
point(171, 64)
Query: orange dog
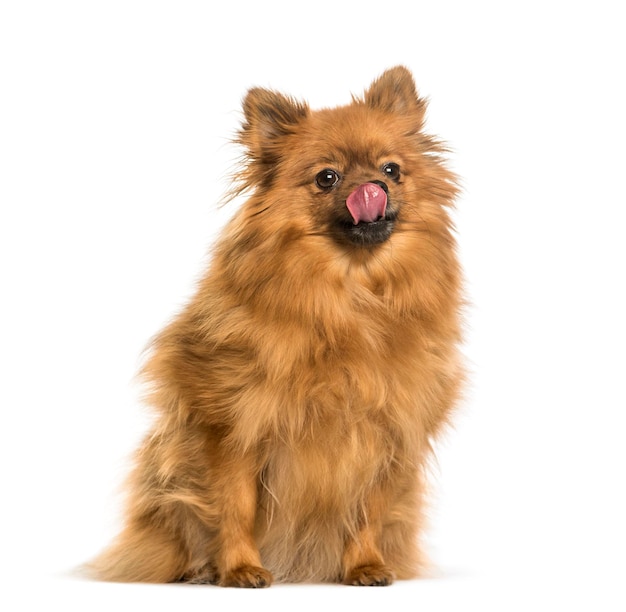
point(299, 390)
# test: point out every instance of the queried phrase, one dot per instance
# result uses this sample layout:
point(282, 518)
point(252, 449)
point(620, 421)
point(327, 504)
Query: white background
point(115, 119)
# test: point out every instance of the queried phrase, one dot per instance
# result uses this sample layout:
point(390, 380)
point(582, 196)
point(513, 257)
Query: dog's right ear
point(269, 116)
point(394, 92)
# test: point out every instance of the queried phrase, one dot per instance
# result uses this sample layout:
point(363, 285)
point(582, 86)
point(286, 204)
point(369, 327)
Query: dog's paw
point(247, 576)
point(369, 575)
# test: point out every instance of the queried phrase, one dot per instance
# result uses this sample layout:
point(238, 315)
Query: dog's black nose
point(382, 185)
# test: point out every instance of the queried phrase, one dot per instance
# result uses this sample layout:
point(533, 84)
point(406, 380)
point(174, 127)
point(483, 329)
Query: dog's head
point(357, 174)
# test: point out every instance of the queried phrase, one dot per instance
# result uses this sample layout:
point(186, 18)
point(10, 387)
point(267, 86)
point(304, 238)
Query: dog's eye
point(392, 171)
point(327, 178)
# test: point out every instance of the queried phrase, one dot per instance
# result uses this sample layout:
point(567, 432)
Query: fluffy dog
point(298, 392)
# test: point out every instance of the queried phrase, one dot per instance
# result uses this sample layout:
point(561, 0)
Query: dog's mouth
point(371, 219)
point(369, 233)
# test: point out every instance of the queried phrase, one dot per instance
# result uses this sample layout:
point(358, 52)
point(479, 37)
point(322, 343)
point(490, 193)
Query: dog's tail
point(144, 555)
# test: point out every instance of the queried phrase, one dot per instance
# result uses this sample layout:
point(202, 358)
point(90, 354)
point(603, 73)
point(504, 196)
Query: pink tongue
point(367, 203)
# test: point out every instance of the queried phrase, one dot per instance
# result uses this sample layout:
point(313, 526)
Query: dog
point(298, 393)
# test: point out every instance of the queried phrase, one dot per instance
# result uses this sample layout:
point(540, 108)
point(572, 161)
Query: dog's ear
point(268, 117)
point(394, 91)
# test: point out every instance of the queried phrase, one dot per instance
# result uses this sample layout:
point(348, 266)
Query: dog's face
point(358, 175)
point(355, 173)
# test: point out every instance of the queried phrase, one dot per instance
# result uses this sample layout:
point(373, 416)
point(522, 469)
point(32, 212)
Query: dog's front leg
point(363, 563)
point(238, 560)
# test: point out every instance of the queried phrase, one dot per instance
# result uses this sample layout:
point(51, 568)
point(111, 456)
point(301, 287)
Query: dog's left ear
point(394, 91)
point(269, 116)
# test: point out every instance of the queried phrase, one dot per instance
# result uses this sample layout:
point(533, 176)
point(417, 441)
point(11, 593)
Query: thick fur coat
point(298, 392)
